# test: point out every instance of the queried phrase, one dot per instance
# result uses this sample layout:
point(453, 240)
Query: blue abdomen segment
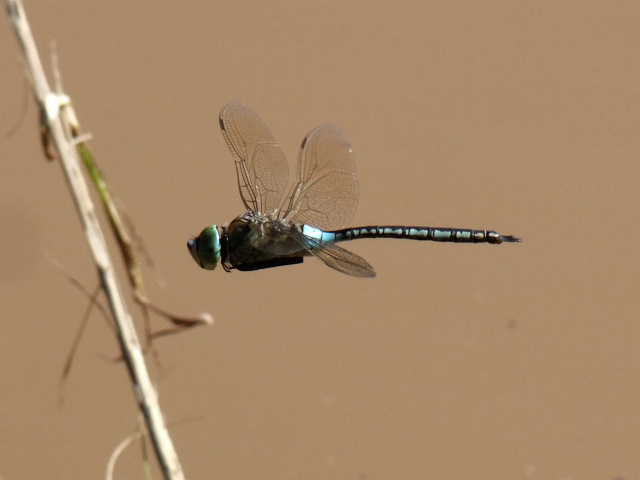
point(318, 235)
point(434, 234)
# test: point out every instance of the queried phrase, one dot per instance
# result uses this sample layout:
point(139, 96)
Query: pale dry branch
point(58, 122)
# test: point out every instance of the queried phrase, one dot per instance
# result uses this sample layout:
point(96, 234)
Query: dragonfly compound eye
point(205, 248)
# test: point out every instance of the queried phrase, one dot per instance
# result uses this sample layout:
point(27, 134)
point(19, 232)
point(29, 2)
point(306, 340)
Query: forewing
point(340, 259)
point(261, 166)
point(326, 190)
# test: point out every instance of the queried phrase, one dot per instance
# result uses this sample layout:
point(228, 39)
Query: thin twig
point(57, 115)
point(121, 447)
point(139, 435)
point(93, 301)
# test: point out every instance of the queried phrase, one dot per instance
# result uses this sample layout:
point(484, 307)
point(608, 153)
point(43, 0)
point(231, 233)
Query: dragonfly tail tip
point(511, 239)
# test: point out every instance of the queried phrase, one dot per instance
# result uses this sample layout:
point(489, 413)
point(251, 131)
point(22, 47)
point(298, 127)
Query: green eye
point(205, 248)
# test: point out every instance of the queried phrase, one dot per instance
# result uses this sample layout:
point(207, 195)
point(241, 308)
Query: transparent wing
point(261, 166)
point(340, 258)
point(326, 190)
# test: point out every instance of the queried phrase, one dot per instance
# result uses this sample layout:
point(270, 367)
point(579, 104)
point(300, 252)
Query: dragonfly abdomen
point(435, 234)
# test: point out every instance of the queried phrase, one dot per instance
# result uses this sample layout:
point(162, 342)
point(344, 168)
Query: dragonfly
point(283, 224)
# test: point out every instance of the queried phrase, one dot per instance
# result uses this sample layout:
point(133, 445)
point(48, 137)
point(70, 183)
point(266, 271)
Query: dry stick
point(57, 123)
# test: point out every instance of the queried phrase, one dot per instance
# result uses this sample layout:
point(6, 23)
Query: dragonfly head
point(205, 248)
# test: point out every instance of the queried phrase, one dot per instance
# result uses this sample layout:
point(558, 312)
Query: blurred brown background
point(458, 361)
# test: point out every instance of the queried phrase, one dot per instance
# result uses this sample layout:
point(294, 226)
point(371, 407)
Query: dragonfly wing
point(326, 190)
point(344, 261)
point(261, 166)
point(339, 258)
